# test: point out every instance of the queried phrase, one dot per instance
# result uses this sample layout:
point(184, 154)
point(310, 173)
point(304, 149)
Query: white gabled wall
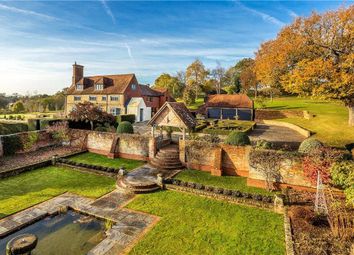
point(134, 108)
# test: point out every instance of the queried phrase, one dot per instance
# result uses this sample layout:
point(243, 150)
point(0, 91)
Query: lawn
point(27, 189)
point(199, 102)
point(100, 160)
point(330, 124)
point(227, 182)
point(195, 225)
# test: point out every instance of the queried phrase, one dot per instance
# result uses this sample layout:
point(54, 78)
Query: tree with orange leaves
point(313, 56)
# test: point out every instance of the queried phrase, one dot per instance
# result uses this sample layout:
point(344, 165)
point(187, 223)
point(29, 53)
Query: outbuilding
point(238, 106)
point(138, 107)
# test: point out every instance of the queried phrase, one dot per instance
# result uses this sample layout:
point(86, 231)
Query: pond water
point(63, 234)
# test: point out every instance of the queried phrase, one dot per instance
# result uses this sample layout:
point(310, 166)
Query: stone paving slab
point(128, 225)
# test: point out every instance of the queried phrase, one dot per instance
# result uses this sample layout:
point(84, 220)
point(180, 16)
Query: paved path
point(128, 225)
point(275, 134)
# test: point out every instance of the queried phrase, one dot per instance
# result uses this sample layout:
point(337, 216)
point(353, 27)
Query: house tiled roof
point(229, 101)
point(147, 91)
point(113, 84)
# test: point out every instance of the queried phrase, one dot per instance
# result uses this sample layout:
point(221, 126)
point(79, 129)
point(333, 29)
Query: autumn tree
point(218, 75)
point(18, 107)
point(313, 56)
point(171, 83)
point(195, 76)
point(90, 113)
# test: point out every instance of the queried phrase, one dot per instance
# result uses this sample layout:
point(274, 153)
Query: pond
point(63, 234)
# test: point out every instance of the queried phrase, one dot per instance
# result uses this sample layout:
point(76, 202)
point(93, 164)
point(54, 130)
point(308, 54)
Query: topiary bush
point(238, 139)
point(309, 145)
point(125, 127)
point(126, 117)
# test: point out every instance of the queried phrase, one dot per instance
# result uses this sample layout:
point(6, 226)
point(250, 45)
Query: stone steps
point(138, 189)
point(167, 158)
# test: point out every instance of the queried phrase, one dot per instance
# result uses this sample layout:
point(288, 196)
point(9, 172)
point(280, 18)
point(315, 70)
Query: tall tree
point(313, 56)
point(218, 75)
point(196, 75)
point(171, 83)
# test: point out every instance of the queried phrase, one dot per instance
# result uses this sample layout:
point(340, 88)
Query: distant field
point(330, 124)
point(30, 115)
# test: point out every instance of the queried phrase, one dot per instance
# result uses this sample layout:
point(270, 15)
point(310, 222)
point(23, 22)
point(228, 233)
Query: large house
point(116, 94)
point(238, 106)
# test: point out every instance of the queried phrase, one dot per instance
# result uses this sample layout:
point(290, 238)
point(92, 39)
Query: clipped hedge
point(11, 144)
point(126, 117)
point(309, 145)
point(12, 128)
point(89, 166)
point(220, 191)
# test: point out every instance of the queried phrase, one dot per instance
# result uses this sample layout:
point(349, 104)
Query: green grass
point(195, 225)
point(27, 189)
point(226, 182)
point(199, 102)
point(330, 124)
point(100, 160)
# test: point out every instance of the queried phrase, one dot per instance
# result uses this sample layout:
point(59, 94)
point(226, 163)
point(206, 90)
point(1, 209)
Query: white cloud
point(293, 14)
point(108, 11)
point(264, 16)
point(26, 12)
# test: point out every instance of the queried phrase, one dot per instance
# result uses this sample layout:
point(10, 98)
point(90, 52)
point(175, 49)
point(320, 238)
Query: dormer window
point(99, 87)
point(133, 86)
point(79, 87)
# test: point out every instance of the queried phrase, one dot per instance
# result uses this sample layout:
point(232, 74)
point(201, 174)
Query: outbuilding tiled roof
point(113, 84)
point(229, 101)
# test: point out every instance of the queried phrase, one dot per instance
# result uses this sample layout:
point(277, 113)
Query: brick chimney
point(78, 73)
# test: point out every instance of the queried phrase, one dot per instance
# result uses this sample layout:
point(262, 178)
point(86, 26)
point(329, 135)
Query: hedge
point(12, 128)
point(11, 144)
point(126, 117)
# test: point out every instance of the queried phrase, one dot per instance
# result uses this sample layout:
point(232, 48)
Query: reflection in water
point(63, 234)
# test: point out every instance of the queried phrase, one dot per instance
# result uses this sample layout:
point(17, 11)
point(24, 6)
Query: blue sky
point(39, 41)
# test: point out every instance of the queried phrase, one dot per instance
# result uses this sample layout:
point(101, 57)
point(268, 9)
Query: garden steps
point(137, 188)
point(167, 158)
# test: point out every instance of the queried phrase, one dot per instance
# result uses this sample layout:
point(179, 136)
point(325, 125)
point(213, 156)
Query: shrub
point(227, 192)
point(176, 182)
point(264, 144)
point(125, 127)
point(236, 193)
point(310, 145)
point(209, 188)
point(238, 139)
point(199, 186)
point(321, 161)
point(342, 174)
point(349, 146)
point(11, 144)
point(31, 140)
point(126, 117)
point(191, 185)
point(218, 190)
point(59, 131)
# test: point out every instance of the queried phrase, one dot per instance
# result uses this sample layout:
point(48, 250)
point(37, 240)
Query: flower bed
point(88, 166)
point(224, 127)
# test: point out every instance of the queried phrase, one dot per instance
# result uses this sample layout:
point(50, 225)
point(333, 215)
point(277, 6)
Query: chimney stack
point(78, 73)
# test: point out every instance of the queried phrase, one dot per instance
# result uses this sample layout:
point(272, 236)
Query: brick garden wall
point(233, 160)
point(131, 146)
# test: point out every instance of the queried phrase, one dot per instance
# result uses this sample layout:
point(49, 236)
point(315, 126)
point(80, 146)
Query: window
point(115, 111)
point(133, 86)
point(99, 87)
point(77, 98)
point(79, 87)
point(114, 98)
point(149, 99)
point(92, 98)
point(104, 98)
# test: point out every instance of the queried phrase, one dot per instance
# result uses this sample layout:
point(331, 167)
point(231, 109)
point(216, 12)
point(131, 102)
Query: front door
point(141, 114)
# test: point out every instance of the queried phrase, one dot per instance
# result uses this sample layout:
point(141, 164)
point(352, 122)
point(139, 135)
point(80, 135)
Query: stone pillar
point(152, 147)
point(182, 151)
point(1, 147)
point(217, 168)
point(278, 204)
